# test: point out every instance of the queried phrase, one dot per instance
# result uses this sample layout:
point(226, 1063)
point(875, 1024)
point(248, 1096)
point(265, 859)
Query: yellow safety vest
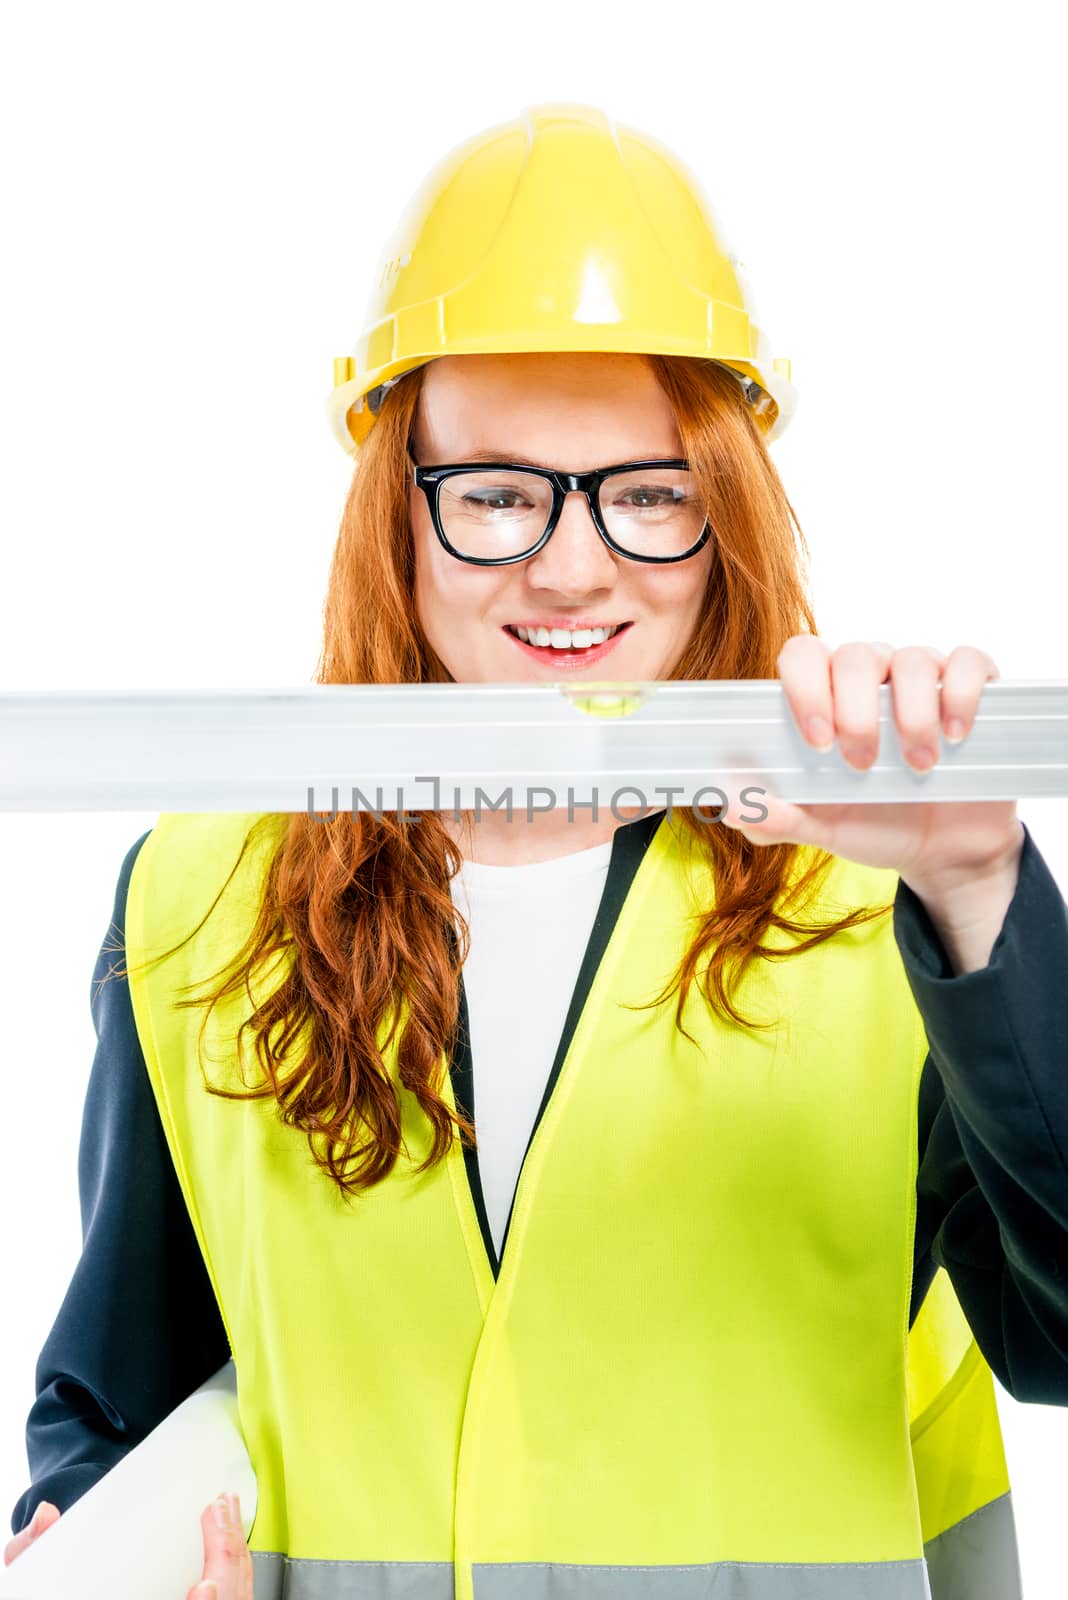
point(693, 1374)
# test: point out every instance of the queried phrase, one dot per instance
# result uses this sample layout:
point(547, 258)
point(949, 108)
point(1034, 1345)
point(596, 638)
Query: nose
point(576, 559)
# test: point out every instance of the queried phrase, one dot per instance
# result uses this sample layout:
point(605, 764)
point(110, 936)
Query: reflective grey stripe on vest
point(727, 1580)
point(977, 1559)
point(279, 1579)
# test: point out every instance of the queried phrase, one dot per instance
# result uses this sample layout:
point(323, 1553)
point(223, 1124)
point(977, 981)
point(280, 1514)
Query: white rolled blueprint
point(136, 1533)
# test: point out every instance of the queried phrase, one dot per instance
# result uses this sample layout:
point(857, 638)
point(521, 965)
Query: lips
point(579, 636)
point(571, 657)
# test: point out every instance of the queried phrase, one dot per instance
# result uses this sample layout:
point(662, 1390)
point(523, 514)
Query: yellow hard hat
point(560, 230)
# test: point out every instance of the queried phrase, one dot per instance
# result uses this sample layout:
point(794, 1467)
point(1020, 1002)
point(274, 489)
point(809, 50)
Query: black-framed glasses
point(498, 512)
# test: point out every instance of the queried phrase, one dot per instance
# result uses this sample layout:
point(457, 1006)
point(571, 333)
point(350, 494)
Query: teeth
point(566, 638)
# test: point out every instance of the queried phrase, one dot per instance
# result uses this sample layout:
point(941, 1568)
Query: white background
point(193, 202)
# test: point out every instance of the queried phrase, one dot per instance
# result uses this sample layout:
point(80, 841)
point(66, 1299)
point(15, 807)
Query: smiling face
point(575, 412)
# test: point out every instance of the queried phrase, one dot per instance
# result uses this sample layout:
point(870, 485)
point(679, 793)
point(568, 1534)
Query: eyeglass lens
point(492, 512)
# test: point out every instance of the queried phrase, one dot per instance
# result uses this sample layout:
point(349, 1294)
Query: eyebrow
point(503, 455)
point(513, 456)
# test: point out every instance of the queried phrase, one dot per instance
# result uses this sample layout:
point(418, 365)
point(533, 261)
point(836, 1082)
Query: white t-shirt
point(529, 929)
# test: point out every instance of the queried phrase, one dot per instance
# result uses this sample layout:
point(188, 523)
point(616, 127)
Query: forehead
point(567, 409)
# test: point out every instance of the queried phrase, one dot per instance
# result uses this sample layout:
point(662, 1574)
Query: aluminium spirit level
point(412, 747)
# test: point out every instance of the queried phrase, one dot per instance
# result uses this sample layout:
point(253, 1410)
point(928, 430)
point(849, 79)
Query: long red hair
point(361, 901)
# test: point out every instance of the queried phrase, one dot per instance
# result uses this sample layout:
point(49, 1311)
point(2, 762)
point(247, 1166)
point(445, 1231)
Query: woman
point(717, 1290)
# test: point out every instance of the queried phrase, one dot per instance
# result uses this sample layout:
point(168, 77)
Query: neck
point(495, 841)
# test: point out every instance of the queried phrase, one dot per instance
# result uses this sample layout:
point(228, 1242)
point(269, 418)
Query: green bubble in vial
point(606, 705)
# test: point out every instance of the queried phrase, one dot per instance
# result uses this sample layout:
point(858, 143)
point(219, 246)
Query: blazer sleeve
point(992, 1185)
point(139, 1328)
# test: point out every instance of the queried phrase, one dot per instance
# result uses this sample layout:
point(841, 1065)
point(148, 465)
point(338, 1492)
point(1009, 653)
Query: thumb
point(765, 818)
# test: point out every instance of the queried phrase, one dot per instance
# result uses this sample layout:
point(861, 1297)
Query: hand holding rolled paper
point(227, 1571)
point(135, 1532)
point(44, 1516)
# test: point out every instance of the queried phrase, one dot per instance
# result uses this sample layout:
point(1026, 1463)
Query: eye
point(495, 499)
point(649, 496)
